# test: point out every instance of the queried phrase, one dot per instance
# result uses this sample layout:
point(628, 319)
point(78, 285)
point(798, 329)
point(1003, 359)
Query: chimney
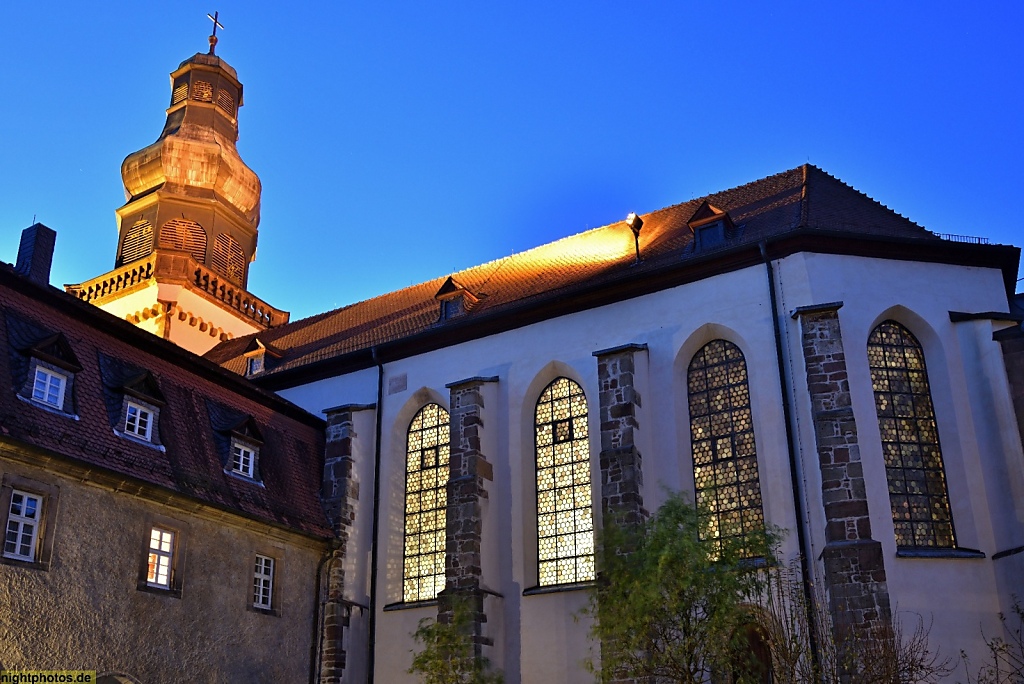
point(35, 253)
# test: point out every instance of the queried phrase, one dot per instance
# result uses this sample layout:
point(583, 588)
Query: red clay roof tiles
point(801, 198)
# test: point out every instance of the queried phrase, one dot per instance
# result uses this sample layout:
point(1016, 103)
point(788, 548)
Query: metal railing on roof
point(969, 239)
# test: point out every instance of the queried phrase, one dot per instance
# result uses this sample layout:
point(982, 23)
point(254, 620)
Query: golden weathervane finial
point(216, 24)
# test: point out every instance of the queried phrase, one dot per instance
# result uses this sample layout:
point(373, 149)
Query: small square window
point(263, 583)
point(48, 387)
point(22, 533)
point(161, 555)
point(138, 421)
point(243, 458)
point(254, 364)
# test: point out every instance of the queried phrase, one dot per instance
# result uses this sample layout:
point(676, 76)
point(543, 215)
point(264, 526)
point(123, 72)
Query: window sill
point(400, 605)
point(558, 588)
point(910, 552)
point(272, 612)
point(244, 478)
point(139, 440)
point(48, 408)
point(16, 562)
point(169, 592)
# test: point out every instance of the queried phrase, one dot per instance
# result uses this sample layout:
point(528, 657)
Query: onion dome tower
point(187, 232)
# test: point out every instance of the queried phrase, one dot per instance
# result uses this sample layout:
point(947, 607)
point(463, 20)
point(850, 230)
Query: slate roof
point(116, 357)
point(805, 198)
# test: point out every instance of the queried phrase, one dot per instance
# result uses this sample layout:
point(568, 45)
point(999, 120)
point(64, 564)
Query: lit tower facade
point(187, 232)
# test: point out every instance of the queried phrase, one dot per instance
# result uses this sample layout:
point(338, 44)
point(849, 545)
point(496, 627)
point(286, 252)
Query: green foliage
point(670, 600)
point(448, 656)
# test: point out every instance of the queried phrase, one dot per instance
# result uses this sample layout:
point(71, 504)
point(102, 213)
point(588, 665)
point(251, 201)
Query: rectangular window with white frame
point(48, 387)
point(138, 421)
point(22, 532)
point(161, 558)
point(243, 458)
point(263, 583)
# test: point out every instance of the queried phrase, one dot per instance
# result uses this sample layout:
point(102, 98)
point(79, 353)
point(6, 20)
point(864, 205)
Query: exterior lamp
point(635, 223)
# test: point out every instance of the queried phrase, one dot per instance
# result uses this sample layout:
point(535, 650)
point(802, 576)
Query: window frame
point(48, 495)
point(48, 376)
point(702, 410)
point(580, 466)
point(253, 450)
point(263, 582)
point(176, 557)
point(442, 449)
point(917, 399)
point(147, 435)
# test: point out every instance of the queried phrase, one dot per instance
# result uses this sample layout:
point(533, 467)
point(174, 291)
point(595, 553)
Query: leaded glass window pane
point(722, 437)
point(426, 497)
point(565, 519)
point(910, 439)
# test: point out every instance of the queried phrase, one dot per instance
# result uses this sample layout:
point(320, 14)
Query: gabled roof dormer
point(259, 356)
point(711, 227)
point(456, 300)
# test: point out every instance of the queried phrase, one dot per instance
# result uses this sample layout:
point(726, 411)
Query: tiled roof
point(803, 198)
point(112, 353)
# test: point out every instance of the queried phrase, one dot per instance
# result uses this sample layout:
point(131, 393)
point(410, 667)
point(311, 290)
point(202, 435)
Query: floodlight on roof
point(635, 223)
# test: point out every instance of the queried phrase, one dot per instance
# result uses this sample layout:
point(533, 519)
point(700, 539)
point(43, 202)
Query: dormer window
point(243, 458)
point(133, 399)
point(48, 387)
point(456, 300)
point(257, 357)
point(238, 440)
point(712, 228)
point(43, 366)
point(138, 420)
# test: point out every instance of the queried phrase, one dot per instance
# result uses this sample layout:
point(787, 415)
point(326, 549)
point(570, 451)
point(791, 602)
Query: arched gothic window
point(228, 258)
point(185, 235)
point(138, 242)
point(910, 439)
point(426, 497)
point(722, 435)
point(565, 519)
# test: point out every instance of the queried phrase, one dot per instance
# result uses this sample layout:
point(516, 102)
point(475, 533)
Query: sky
point(401, 141)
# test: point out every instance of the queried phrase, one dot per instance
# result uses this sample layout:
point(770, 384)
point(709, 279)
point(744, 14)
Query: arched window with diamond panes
point(565, 518)
point(910, 439)
point(426, 497)
point(722, 436)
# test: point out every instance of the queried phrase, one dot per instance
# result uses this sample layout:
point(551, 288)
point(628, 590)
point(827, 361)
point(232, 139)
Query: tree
point(1005, 661)
point(789, 622)
point(670, 601)
point(449, 654)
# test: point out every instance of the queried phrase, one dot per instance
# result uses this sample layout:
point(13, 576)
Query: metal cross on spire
point(216, 24)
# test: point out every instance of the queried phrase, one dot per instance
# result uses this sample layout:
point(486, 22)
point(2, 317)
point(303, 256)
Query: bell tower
point(187, 232)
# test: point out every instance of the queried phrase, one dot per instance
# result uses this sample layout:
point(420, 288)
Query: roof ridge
point(866, 196)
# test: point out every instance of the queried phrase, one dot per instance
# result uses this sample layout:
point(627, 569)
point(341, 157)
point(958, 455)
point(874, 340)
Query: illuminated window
point(138, 242)
point(243, 458)
point(22, 526)
point(565, 519)
point(161, 555)
point(228, 258)
point(185, 235)
point(263, 583)
point(722, 436)
point(426, 497)
point(48, 387)
point(138, 421)
point(910, 439)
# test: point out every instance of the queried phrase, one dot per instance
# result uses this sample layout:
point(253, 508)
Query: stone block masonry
point(854, 565)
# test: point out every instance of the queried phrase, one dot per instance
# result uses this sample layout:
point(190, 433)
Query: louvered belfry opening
point(228, 258)
point(138, 242)
point(185, 235)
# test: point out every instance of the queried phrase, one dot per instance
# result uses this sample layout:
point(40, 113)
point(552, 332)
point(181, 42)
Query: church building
point(789, 352)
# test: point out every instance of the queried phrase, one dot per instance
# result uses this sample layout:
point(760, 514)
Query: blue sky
point(400, 141)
